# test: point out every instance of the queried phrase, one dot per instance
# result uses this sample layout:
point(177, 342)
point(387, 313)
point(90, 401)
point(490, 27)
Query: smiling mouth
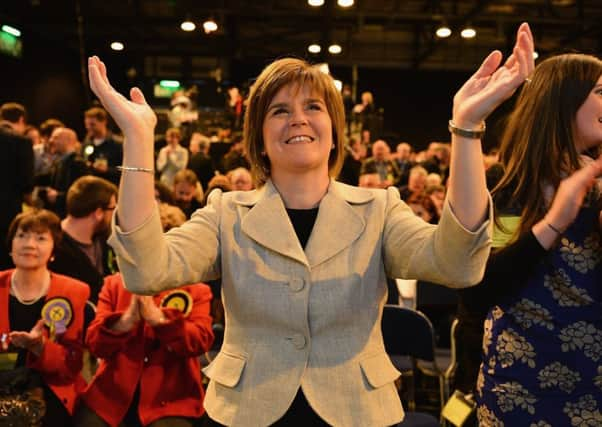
point(300, 139)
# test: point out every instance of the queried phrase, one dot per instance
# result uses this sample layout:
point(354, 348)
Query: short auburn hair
point(280, 73)
point(36, 220)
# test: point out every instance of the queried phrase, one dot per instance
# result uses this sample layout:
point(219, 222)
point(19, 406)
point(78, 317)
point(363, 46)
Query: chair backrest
point(408, 332)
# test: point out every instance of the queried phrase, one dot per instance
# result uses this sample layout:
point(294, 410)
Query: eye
point(42, 238)
point(20, 235)
point(315, 106)
point(278, 111)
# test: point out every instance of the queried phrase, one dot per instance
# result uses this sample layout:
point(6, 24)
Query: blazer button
point(299, 341)
point(297, 284)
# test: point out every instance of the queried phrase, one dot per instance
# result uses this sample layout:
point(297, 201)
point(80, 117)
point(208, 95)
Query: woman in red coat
point(149, 373)
point(42, 315)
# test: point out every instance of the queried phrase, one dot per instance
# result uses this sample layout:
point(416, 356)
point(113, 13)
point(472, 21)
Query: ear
point(98, 214)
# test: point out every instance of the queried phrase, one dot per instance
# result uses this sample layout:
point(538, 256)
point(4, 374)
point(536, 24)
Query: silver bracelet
point(135, 169)
point(466, 133)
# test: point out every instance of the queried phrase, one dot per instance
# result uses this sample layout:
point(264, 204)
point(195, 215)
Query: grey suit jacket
point(302, 318)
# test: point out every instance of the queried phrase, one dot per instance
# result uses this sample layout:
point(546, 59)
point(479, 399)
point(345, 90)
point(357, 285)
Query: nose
point(298, 118)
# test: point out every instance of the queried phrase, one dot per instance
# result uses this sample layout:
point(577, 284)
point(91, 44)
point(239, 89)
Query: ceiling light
point(315, 3)
point(314, 48)
point(468, 33)
point(11, 30)
point(335, 49)
point(209, 26)
point(443, 31)
point(117, 46)
point(345, 3)
point(188, 25)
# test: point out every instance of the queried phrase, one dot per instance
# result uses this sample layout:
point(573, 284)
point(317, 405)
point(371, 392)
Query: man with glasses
point(83, 252)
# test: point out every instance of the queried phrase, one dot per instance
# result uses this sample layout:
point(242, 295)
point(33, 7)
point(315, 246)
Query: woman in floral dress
point(542, 362)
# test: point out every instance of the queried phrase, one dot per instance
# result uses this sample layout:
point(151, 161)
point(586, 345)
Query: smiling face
point(297, 131)
point(32, 249)
point(588, 120)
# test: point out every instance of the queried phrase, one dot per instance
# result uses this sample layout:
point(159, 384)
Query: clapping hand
point(570, 195)
point(129, 318)
point(32, 341)
point(492, 84)
point(150, 312)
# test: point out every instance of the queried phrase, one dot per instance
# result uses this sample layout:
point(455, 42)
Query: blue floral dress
point(542, 349)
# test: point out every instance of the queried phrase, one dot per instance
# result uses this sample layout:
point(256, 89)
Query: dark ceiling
point(373, 33)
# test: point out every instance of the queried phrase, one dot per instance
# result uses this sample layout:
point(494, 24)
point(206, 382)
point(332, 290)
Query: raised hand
point(32, 341)
point(492, 84)
point(134, 117)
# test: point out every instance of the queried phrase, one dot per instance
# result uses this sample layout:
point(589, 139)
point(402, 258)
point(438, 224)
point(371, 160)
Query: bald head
point(63, 140)
point(381, 150)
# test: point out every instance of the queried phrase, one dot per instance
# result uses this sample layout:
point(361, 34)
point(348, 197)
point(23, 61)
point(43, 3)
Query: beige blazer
point(302, 318)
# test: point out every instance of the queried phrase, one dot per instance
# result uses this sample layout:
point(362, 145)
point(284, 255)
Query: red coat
point(60, 362)
point(163, 359)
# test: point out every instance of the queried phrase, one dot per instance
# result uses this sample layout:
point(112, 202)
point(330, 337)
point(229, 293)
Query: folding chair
point(410, 333)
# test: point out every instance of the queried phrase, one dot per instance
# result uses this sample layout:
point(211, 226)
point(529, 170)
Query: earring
point(332, 148)
point(52, 258)
point(263, 154)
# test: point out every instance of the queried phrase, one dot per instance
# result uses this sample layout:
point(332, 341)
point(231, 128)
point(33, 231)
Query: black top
point(303, 222)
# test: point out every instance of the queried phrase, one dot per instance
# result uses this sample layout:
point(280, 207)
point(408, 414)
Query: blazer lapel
point(267, 222)
point(338, 224)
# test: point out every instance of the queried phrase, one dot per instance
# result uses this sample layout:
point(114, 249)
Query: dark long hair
point(538, 147)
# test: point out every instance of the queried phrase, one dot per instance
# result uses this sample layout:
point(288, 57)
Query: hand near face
point(150, 312)
point(490, 85)
point(135, 118)
point(32, 341)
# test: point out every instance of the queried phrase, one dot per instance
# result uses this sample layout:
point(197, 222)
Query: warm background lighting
point(443, 32)
point(345, 3)
point(117, 46)
point(314, 48)
point(209, 26)
point(468, 33)
point(315, 3)
point(335, 49)
point(187, 26)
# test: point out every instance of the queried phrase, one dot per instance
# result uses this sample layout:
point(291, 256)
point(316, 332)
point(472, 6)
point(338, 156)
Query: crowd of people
point(128, 255)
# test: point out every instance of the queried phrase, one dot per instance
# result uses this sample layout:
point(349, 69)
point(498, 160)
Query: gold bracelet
point(135, 169)
point(466, 133)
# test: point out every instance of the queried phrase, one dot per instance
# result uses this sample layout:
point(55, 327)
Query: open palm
point(492, 84)
point(135, 117)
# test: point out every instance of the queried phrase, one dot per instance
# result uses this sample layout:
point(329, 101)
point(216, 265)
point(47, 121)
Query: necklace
point(16, 293)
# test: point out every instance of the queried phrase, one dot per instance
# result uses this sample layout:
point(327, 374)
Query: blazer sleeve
point(151, 261)
point(102, 341)
point(446, 253)
point(192, 335)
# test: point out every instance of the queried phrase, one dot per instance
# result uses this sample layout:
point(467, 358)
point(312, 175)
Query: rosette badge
point(57, 315)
